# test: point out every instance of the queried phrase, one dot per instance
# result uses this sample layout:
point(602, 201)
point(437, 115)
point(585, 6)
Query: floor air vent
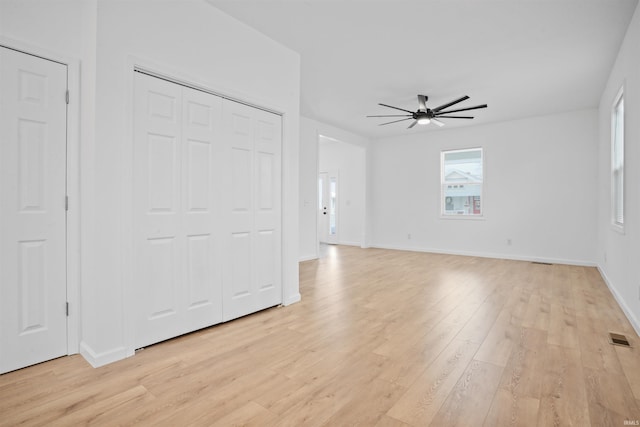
point(618, 339)
point(541, 263)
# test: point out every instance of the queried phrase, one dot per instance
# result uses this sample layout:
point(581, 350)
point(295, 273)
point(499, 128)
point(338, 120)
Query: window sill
point(463, 217)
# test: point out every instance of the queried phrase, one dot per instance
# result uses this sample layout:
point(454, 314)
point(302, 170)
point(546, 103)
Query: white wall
point(310, 131)
point(50, 25)
point(539, 192)
point(185, 39)
point(618, 253)
point(308, 171)
point(350, 162)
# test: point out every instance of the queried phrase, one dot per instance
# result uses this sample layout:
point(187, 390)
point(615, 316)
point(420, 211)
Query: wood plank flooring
point(381, 338)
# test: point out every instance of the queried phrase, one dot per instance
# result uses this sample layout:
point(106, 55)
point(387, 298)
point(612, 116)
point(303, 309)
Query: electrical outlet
point(409, 236)
point(508, 242)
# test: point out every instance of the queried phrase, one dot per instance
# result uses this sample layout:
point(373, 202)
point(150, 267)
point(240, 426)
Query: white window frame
point(617, 164)
point(444, 215)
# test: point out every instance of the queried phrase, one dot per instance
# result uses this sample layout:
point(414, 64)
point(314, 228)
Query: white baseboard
point(292, 299)
point(621, 302)
point(349, 243)
point(307, 258)
point(100, 359)
point(491, 255)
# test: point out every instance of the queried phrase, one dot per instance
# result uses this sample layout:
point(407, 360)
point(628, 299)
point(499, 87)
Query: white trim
point(528, 258)
point(616, 226)
point(100, 359)
point(127, 211)
point(292, 299)
point(317, 193)
point(467, 217)
point(74, 265)
point(343, 243)
point(621, 302)
point(289, 218)
point(443, 215)
point(73, 182)
point(304, 258)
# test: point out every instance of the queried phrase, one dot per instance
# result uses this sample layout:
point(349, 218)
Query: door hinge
point(67, 309)
point(66, 97)
point(66, 203)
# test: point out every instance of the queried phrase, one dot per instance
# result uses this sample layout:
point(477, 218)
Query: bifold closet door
point(178, 156)
point(253, 238)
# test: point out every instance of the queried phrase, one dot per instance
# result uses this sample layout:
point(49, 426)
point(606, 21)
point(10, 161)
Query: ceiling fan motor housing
point(423, 114)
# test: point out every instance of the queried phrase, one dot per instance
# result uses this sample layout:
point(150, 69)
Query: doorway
point(33, 208)
point(328, 207)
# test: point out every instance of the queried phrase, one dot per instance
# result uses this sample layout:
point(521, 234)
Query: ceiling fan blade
point(391, 106)
point(422, 102)
point(395, 121)
point(437, 122)
point(455, 117)
point(413, 124)
point(442, 107)
point(394, 115)
point(462, 109)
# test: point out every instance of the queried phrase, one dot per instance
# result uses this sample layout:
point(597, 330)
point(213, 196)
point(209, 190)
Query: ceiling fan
point(424, 115)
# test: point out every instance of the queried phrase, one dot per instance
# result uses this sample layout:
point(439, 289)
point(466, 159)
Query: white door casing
point(253, 279)
point(177, 232)
point(33, 136)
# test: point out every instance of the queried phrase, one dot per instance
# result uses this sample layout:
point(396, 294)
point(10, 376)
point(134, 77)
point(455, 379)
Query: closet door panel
point(201, 189)
point(254, 280)
point(177, 245)
point(157, 240)
point(240, 252)
point(238, 289)
point(268, 216)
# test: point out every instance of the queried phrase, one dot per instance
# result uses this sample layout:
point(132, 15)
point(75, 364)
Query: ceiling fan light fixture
point(424, 115)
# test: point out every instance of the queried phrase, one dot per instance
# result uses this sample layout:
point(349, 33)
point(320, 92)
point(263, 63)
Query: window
point(461, 181)
point(617, 161)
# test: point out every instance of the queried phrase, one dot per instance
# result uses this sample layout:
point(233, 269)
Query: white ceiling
point(521, 57)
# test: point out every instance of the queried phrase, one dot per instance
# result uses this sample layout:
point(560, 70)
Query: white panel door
point(203, 157)
point(253, 199)
point(268, 216)
point(33, 323)
point(328, 207)
point(176, 228)
point(323, 207)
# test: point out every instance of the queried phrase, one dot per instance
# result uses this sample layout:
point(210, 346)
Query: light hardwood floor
point(381, 338)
